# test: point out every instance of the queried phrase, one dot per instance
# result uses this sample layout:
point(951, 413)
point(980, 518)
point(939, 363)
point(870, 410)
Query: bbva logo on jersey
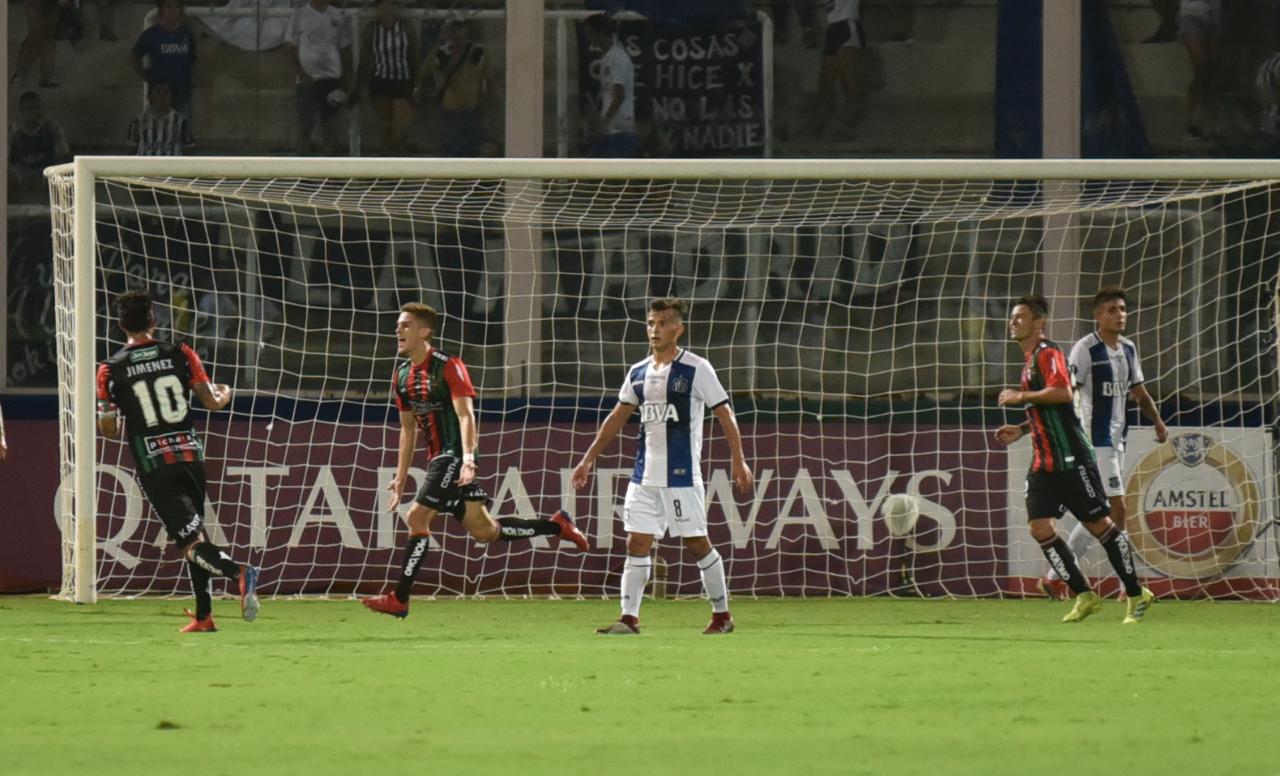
point(1113, 388)
point(658, 412)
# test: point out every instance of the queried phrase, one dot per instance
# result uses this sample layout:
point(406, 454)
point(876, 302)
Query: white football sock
point(635, 575)
point(712, 567)
point(1079, 541)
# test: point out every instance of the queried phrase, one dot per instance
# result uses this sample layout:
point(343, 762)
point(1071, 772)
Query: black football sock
point(1120, 553)
point(414, 551)
point(200, 580)
point(215, 560)
point(1063, 561)
point(518, 528)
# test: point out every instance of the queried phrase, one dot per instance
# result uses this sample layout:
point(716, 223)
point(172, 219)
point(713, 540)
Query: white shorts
point(649, 509)
point(1111, 469)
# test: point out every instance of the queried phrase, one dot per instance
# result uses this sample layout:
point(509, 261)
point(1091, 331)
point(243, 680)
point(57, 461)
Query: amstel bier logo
point(1193, 507)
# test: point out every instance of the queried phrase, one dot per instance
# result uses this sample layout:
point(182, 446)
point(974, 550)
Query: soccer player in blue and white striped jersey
point(1105, 371)
point(672, 388)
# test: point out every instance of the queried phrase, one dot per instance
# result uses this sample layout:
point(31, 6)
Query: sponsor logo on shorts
point(190, 529)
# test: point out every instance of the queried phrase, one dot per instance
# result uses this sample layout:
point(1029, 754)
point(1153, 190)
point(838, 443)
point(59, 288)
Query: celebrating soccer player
point(1105, 369)
point(671, 387)
point(1063, 472)
point(147, 380)
point(434, 394)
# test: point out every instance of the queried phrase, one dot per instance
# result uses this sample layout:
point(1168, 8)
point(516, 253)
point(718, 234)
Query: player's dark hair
point(425, 313)
point(670, 303)
point(133, 310)
point(1107, 294)
point(160, 3)
point(28, 97)
point(598, 23)
point(1037, 304)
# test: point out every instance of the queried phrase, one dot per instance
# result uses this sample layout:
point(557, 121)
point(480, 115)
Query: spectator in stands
point(388, 53)
point(161, 130)
point(1167, 32)
point(39, 43)
point(1268, 86)
point(166, 53)
point(459, 66)
point(903, 15)
point(319, 42)
point(34, 144)
point(840, 56)
point(613, 133)
point(107, 21)
point(781, 14)
point(1199, 22)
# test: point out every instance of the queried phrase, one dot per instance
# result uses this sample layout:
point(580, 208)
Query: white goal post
point(855, 309)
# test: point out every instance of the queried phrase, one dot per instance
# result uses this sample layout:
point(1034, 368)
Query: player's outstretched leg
point(559, 524)
point(569, 532)
point(635, 575)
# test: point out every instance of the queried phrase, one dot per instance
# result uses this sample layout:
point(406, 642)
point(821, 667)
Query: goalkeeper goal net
point(856, 311)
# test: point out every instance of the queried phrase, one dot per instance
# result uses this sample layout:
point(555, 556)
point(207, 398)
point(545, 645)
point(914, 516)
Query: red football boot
point(387, 603)
point(1054, 589)
point(721, 622)
point(198, 626)
point(625, 626)
point(569, 532)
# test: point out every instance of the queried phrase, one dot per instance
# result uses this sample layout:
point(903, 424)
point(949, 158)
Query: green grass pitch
point(525, 687)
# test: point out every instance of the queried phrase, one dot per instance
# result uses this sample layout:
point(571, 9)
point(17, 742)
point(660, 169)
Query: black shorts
point(391, 88)
point(840, 33)
point(176, 493)
point(1079, 490)
point(440, 490)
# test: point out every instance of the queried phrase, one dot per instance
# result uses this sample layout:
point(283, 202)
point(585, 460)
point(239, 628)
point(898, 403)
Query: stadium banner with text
point(1200, 512)
point(307, 500)
point(32, 353)
point(699, 86)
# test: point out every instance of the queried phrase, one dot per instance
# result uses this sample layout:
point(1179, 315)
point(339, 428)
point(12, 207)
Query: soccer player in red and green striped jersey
point(434, 395)
point(1064, 474)
point(147, 381)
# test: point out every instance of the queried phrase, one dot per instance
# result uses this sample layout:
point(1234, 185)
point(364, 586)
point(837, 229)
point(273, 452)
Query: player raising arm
point(147, 381)
point(1105, 369)
point(1063, 473)
point(671, 388)
point(434, 395)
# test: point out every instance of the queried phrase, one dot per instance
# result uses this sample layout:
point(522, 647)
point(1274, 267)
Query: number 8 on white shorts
point(649, 509)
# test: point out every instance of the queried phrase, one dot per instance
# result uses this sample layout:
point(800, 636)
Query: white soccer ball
point(336, 97)
point(900, 513)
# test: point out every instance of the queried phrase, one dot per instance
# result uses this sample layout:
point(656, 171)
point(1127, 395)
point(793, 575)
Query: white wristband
point(468, 458)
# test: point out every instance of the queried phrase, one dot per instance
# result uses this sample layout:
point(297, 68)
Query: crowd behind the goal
point(436, 60)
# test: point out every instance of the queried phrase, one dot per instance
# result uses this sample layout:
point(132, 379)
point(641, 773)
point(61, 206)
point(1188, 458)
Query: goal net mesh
point(860, 327)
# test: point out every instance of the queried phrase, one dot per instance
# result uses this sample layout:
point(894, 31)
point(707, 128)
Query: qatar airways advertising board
point(307, 502)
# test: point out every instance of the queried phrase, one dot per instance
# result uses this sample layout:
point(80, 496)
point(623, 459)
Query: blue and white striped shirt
point(672, 399)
